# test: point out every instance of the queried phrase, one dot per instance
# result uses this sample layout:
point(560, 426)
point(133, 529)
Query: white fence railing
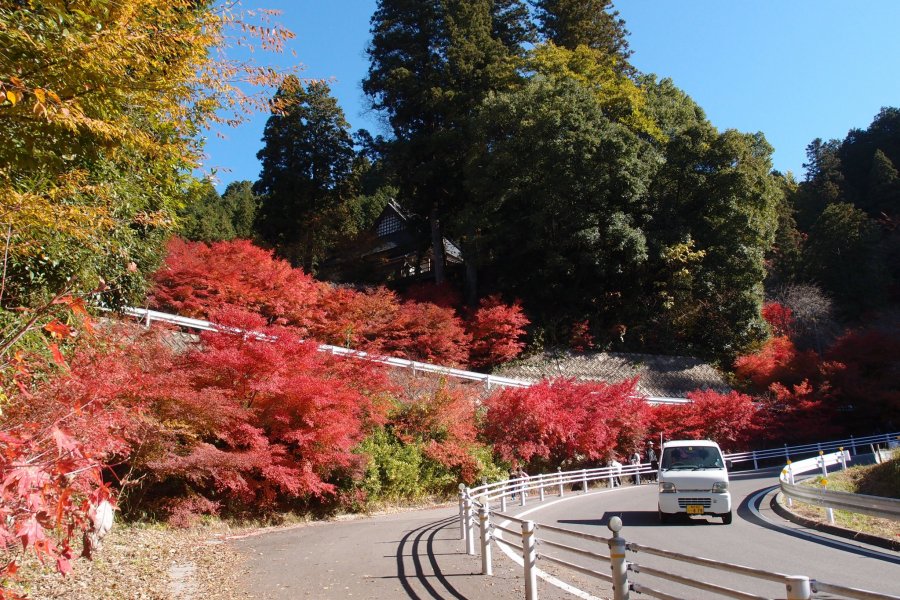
point(820, 495)
point(148, 316)
point(485, 506)
point(785, 453)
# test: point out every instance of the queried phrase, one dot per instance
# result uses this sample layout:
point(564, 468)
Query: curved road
point(757, 538)
point(419, 555)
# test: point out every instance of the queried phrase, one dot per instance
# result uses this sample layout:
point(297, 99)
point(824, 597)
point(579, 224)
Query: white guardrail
point(819, 495)
point(148, 316)
point(485, 506)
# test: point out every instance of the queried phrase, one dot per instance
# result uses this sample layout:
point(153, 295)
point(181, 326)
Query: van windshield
point(691, 458)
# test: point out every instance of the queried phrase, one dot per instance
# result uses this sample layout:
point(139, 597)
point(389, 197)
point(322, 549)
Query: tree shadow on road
point(435, 582)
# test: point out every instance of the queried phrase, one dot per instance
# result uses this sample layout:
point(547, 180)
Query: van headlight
point(666, 487)
point(720, 487)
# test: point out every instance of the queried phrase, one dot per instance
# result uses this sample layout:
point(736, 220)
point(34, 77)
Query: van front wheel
point(726, 518)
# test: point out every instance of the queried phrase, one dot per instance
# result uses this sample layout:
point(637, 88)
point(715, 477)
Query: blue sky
point(794, 69)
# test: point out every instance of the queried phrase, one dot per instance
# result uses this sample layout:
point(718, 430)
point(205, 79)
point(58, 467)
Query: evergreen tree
point(206, 217)
point(432, 63)
point(306, 177)
point(242, 206)
point(592, 23)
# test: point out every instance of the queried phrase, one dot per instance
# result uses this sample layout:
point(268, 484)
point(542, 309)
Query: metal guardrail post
point(529, 559)
point(852, 446)
point(462, 511)
point(822, 464)
point(503, 500)
point(612, 479)
point(843, 459)
point(790, 502)
point(798, 588)
point(541, 484)
point(522, 485)
point(786, 455)
point(484, 517)
point(559, 475)
point(470, 527)
point(828, 510)
point(584, 481)
point(755, 463)
point(617, 560)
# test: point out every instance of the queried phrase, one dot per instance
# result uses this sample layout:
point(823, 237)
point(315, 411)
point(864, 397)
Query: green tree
point(591, 23)
point(306, 178)
point(242, 205)
point(843, 256)
point(432, 63)
point(205, 217)
point(562, 191)
point(713, 203)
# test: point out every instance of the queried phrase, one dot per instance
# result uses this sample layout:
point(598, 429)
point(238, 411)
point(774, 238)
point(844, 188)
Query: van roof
point(678, 443)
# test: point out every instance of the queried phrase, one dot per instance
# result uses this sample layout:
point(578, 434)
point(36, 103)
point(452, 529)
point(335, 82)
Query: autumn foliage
point(564, 422)
point(731, 419)
point(199, 279)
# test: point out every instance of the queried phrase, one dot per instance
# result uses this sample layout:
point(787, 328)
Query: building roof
point(660, 376)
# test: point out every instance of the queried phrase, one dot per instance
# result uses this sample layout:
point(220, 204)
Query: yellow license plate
point(694, 509)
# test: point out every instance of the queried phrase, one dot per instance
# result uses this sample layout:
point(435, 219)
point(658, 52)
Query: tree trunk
point(437, 246)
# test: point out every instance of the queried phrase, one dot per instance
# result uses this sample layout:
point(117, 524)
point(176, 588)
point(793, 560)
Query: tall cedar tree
point(592, 23)
point(307, 166)
point(432, 63)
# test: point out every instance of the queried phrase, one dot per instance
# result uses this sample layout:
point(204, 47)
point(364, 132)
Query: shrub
point(497, 330)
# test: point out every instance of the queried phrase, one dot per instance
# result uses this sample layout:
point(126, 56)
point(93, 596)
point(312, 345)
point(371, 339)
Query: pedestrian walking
point(652, 459)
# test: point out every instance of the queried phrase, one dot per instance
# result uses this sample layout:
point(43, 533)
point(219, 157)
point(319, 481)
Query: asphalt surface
point(415, 554)
point(419, 554)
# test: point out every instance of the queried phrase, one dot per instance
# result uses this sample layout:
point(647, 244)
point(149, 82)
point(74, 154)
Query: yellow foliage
point(622, 99)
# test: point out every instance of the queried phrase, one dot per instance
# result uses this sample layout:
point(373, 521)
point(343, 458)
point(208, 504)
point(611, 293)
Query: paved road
point(419, 555)
point(414, 555)
point(757, 538)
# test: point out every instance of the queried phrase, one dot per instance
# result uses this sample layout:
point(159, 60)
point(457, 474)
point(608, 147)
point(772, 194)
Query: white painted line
point(542, 574)
point(754, 500)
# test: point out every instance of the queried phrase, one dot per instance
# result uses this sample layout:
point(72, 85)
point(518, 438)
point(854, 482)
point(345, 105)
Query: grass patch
point(873, 480)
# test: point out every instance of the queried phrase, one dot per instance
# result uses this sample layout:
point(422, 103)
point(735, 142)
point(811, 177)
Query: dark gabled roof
point(660, 376)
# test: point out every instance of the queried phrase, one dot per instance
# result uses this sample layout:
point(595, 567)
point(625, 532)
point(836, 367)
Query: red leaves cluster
point(441, 418)
point(732, 420)
point(199, 279)
point(496, 331)
point(779, 317)
point(564, 422)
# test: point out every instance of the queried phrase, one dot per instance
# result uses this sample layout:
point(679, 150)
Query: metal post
point(786, 452)
point(612, 479)
point(852, 445)
point(790, 470)
point(529, 558)
point(522, 491)
point(828, 510)
point(503, 502)
point(541, 484)
point(462, 511)
point(484, 517)
point(148, 318)
point(843, 459)
point(822, 464)
point(798, 587)
point(617, 560)
point(559, 474)
point(755, 464)
point(470, 528)
point(584, 481)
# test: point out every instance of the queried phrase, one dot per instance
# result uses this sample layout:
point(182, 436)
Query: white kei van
point(693, 480)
